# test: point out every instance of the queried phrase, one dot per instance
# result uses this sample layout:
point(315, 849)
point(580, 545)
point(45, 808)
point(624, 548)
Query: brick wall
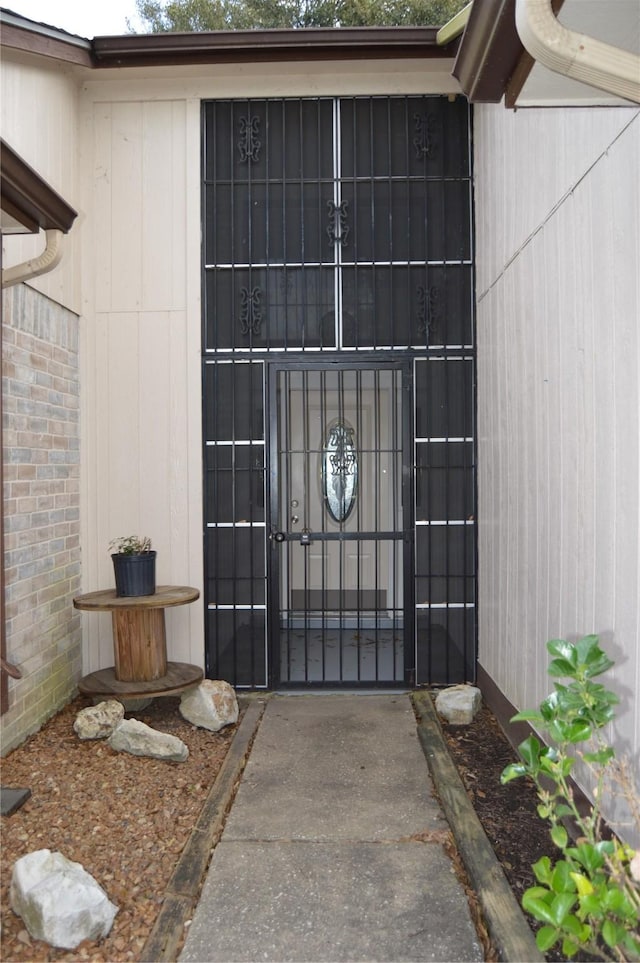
point(41, 501)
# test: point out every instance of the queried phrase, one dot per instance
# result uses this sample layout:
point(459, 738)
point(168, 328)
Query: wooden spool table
point(140, 644)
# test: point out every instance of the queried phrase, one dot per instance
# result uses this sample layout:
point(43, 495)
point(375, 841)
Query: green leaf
point(560, 836)
point(542, 870)
point(561, 907)
point(569, 948)
point(560, 668)
point(612, 933)
point(549, 706)
point(546, 937)
point(591, 905)
point(616, 901)
point(561, 878)
point(538, 908)
point(513, 771)
point(601, 757)
point(578, 731)
point(529, 715)
point(583, 885)
point(529, 751)
point(588, 856)
point(632, 944)
point(592, 657)
point(561, 649)
point(577, 929)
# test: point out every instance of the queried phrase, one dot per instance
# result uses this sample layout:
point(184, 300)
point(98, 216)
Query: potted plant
point(134, 565)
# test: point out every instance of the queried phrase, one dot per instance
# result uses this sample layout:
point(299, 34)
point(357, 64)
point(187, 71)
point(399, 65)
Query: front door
point(337, 532)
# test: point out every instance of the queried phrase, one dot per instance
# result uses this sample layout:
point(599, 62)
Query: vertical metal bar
point(409, 402)
point(325, 545)
point(377, 496)
point(359, 544)
point(272, 467)
point(300, 285)
point(410, 300)
point(307, 490)
point(232, 226)
point(337, 199)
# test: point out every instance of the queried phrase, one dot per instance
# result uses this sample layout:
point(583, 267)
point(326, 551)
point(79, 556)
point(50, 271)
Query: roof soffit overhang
point(491, 62)
point(26, 198)
point(224, 46)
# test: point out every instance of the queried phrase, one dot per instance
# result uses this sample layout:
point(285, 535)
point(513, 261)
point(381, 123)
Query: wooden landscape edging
point(507, 926)
point(184, 886)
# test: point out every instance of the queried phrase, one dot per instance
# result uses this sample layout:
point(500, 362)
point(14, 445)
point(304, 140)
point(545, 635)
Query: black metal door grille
point(337, 538)
point(337, 231)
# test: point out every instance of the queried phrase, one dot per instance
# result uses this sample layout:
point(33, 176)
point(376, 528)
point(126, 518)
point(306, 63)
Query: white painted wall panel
point(39, 120)
point(565, 153)
point(142, 427)
point(558, 397)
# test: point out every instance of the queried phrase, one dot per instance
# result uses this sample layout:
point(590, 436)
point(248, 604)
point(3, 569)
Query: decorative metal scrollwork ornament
point(428, 314)
point(250, 311)
point(338, 229)
point(339, 471)
point(249, 145)
point(423, 140)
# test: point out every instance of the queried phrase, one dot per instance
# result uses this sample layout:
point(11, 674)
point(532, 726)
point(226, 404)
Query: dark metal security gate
point(338, 543)
point(338, 374)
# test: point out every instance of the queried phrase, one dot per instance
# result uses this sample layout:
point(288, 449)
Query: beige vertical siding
point(141, 380)
point(558, 248)
point(39, 120)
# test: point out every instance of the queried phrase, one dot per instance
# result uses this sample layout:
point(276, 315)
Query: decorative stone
point(210, 705)
point(58, 901)
point(98, 722)
point(141, 740)
point(459, 704)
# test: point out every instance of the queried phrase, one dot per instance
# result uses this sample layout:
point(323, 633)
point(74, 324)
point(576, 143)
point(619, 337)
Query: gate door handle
point(277, 536)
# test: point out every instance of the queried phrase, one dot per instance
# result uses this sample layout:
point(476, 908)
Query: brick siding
point(41, 501)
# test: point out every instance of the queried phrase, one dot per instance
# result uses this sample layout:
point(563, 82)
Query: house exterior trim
point(491, 60)
point(28, 198)
point(225, 46)
point(34, 38)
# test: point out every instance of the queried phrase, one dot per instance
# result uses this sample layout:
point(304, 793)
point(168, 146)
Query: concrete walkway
point(333, 848)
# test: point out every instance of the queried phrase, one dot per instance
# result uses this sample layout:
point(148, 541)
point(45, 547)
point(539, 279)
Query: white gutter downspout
point(574, 54)
point(49, 258)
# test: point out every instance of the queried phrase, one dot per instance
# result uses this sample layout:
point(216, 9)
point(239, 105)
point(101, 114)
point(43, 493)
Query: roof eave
point(225, 46)
point(28, 198)
point(491, 62)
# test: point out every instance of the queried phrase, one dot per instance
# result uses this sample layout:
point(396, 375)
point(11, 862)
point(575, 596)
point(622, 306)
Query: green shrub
point(589, 900)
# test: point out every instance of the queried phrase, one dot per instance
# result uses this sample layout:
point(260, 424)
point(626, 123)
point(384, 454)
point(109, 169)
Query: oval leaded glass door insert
point(339, 471)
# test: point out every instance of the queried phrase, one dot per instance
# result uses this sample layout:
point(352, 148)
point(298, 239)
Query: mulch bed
point(125, 818)
point(508, 813)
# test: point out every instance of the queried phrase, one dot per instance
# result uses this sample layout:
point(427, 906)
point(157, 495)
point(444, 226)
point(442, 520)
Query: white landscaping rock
point(98, 722)
point(211, 705)
point(141, 740)
point(59, 901)
point(459, 704)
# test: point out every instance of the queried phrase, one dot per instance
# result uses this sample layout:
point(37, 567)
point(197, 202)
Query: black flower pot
point(135, 574)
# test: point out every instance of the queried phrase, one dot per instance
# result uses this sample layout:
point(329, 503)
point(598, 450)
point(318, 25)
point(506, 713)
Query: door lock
point(305, 537)
point(277, 536)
